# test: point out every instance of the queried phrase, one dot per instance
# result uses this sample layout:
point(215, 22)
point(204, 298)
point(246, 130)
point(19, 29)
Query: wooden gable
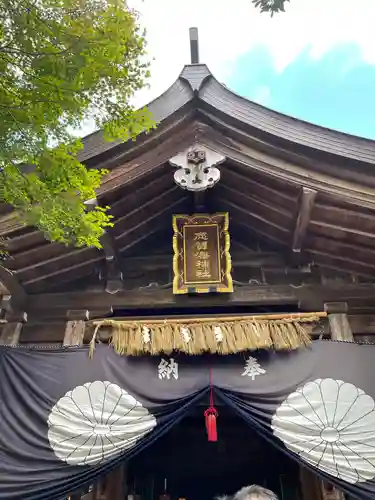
point(300, 200)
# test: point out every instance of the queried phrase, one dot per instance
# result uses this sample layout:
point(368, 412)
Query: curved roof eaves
point(286, 127)
point(163, 106)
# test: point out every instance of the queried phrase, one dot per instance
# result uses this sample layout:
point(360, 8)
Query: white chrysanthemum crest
point(330, 424)
point(96, 421)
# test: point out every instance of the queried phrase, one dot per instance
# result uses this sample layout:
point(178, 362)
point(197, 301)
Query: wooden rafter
point(242, 259)
point(259, 188)
point(152, 223)
point(255, 223)
point(113, 273)
point(82, 262)
point(308, 297)
point(13, 286)
point(113, 266)
point(306, 204)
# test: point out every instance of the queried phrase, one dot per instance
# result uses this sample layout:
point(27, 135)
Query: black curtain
point(66, 419)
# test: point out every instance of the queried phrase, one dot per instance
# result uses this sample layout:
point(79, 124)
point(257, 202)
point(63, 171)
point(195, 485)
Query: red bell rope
point(210, 415)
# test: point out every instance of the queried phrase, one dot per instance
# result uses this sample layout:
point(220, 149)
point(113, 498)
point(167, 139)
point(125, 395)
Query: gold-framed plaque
point(201, 260)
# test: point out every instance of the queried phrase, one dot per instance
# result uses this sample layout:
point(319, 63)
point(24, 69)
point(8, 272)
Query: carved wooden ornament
point(197, 168)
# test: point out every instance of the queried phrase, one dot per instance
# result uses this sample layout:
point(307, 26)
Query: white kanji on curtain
point(252, 368)
point(168, 368)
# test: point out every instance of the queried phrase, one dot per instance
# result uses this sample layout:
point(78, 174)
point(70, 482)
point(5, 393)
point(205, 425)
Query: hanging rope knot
point(210, 416)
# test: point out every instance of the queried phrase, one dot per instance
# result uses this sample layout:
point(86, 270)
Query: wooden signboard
point(201, 262)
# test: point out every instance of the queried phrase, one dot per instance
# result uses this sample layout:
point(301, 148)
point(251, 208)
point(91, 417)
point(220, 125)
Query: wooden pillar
point(340, 331)
point(314, 488)
point(11, 333)
point(75, 327)
point(115, 484)
point(310, 485)
point(338, 321)
point(74, 333)
point(12, 328)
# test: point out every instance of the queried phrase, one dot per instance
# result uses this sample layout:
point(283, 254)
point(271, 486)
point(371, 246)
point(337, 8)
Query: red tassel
point(210, 416)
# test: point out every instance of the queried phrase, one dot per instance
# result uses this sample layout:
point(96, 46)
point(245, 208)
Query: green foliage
point(62, 61)
point(271, 6)
point(3, 250)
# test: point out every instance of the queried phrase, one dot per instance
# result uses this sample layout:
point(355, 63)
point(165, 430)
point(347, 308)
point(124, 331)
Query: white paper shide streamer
point(185, 334)
point(146, 335)
point(218, 334)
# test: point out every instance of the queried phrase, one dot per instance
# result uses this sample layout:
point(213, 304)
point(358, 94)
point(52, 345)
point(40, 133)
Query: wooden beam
point(152, 186)
point(266, 230)
point(341, 233)
point(240, 259)
point(270, 213)
point(337, 262)
point(114, 277)
point(112, 260)
point(199, 201)
point(115, 484)
point(305, 207)
point(75, 327)
point(267, 193)
point(10, 222)
point(12, 284)
point(11, 334)
point(150, 225)
point(12, 329)
point(307, 297)
point(149, 210)
point(81, 269)
point(310, 484)
point(338, 321)
point(70, 261)
point(50, 330)
point(340, 330)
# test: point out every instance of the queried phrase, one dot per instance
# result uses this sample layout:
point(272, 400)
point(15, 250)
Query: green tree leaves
point(60, 62)
point(271, 6)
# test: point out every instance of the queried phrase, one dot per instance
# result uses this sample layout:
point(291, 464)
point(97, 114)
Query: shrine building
point(222, 336)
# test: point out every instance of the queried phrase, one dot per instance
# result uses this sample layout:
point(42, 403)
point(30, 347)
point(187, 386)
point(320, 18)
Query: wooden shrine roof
point(296, 193)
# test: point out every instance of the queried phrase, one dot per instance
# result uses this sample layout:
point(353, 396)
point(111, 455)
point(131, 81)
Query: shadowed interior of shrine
point(194, 469)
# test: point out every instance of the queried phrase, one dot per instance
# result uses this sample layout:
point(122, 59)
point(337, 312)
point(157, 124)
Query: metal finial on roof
point(194, 45)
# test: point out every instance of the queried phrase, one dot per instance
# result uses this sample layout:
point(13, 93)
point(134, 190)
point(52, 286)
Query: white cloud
point(228, 30)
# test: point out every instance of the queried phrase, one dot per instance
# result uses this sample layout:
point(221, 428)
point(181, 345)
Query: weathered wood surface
point(340, 330)
point(338, 321)
point(53, 331)
point(306, 204)
point(310, 485)
point(75, 327)
point(331, 223)
point(10, 334)
point(304, 297)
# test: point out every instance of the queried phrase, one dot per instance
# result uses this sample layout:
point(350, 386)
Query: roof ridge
point(196, 75)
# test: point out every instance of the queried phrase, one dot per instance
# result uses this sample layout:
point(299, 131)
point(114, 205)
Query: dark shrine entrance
point(185, 465)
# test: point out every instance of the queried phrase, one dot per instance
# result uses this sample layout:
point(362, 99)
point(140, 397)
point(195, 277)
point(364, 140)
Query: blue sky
point(315, 61)
point(335, 91)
